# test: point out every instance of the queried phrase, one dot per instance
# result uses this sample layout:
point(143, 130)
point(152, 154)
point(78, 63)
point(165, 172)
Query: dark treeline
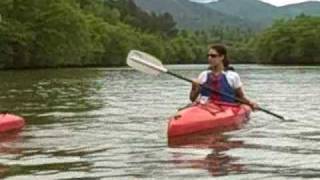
point(61, 33)
point(55, 33)
point(294, 41)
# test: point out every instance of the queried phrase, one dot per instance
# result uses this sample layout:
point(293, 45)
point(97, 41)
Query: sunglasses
point(213, 55)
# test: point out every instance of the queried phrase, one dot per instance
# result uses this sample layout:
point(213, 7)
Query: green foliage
point(194, 16)
point(131, 14)
point(47, 33)
point(237, 13)
point(59, 33)
point(293, 41)
point(15, 38)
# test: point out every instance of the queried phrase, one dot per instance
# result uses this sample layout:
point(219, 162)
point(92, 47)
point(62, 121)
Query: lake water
point(111, 124)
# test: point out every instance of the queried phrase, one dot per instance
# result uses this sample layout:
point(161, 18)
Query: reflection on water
point(112, 123)
point(7, 141)
point(217, 162)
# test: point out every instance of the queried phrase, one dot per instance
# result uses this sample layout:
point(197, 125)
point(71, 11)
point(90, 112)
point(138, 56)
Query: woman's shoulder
point(203, 76)
point(231, 73)
point(234, 79)
point(205, 72)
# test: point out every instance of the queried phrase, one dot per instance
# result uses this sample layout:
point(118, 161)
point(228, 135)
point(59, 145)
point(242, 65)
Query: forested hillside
point(56, 33)
point(195, 16)
point(294, 41)
point(252, 14)
point(63, 33)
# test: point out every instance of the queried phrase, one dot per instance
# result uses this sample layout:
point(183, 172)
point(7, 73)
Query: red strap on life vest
point(215, 85)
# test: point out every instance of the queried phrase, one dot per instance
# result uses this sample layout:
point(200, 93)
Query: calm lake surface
point(111, 124)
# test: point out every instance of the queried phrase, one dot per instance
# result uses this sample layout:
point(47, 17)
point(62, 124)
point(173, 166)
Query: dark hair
point(222, 50)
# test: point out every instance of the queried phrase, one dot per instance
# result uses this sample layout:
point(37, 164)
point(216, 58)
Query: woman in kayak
point(221, 77)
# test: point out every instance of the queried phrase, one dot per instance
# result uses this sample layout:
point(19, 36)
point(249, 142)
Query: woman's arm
point(195, 91)
point(240, 94)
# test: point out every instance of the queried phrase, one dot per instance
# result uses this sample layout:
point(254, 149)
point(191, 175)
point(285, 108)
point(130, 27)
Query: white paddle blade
point(144, 62)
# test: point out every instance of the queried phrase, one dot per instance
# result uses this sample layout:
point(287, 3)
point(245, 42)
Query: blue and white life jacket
point(219, 83)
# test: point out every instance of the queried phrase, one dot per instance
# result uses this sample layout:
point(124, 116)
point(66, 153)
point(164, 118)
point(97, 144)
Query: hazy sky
point(274, 2)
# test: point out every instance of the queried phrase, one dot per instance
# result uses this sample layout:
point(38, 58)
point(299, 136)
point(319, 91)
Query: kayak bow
point(208, 117)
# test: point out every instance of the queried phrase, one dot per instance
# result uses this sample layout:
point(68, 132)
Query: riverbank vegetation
point(294, 41)
point(82, 33)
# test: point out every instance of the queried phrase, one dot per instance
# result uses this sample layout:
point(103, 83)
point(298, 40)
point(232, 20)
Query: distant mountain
point(308, 8)
point(193, 15)
point(260, 12)
point(252, 14)
point(253, 10)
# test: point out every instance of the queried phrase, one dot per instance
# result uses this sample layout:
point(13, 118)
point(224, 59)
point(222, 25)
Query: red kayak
point(10, 122)
point(214, 116)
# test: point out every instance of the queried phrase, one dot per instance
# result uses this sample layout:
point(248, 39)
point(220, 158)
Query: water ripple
point(111, 124)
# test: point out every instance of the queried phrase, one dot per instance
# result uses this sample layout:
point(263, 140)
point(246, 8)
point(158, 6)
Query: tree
point(293, 41)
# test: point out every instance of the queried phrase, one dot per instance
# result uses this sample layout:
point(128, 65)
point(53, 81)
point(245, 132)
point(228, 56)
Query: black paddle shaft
point(224, 94)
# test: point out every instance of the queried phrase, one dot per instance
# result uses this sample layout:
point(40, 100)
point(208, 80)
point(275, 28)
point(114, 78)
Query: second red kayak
point(10, 122)
point(208, 117)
